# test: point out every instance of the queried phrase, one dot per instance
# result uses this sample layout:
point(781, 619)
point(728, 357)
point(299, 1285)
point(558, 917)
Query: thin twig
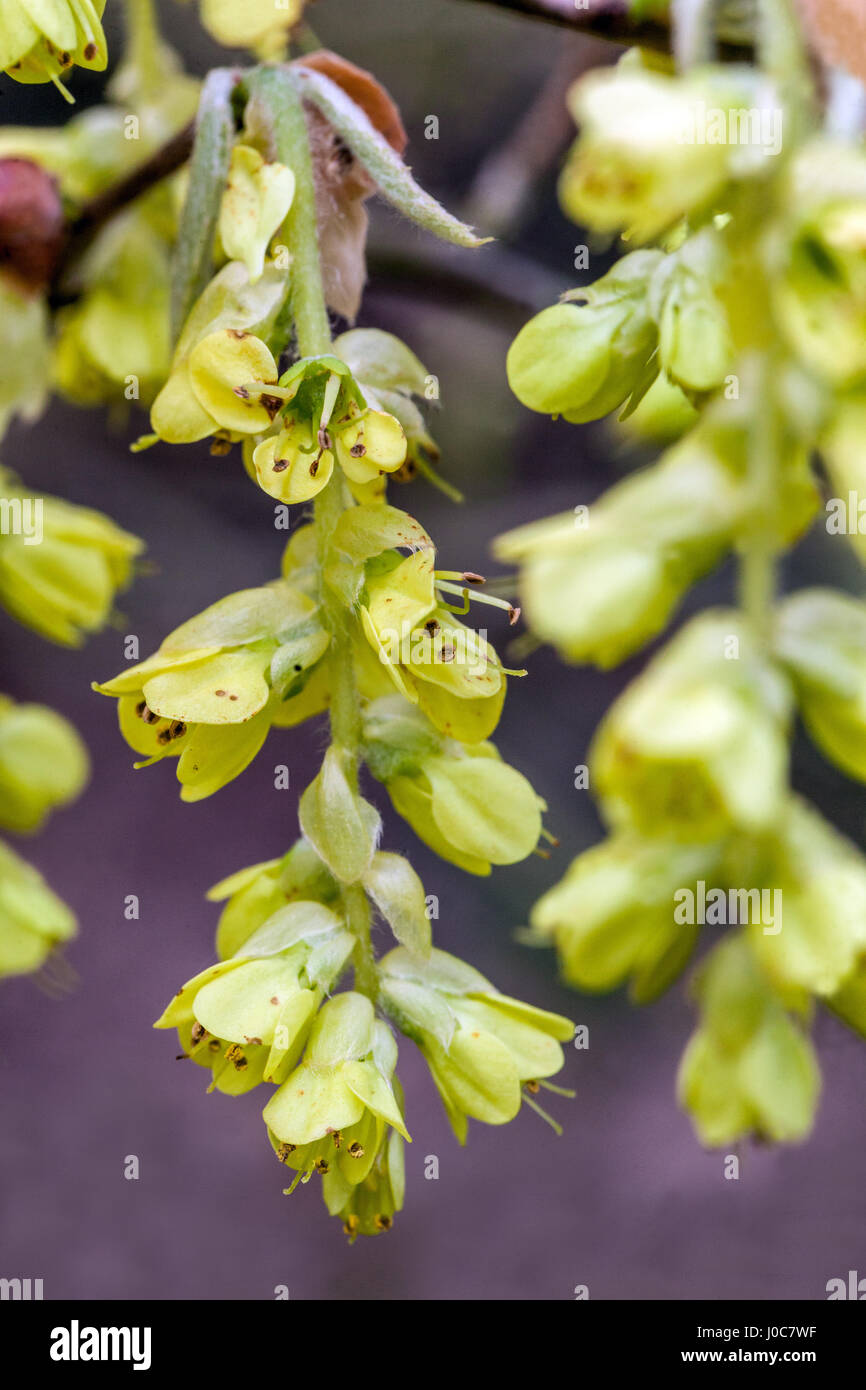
point(603, 19)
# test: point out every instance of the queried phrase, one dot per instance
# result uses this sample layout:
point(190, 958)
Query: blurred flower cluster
point(738, 309)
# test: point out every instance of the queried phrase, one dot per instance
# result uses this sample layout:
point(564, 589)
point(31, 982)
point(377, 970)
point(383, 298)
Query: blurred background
point(626, 1202)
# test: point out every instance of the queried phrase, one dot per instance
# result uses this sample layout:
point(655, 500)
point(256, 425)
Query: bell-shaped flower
point(60, 565)
point(368, 1207)
point(39, 42)
point(325, 419)
point(33, 920)
point(248, 1017)
point(643, 159)
point(43, 764)
point(602, 582)
point(257, 198)
point(585, 361)
point(449, 669)
point(222, 365)
point(482, 1047)
point(698, 743)
point(612, 919)
point(332, 1113)
point(463, 801)
point(211, 692)
point(749, 1069)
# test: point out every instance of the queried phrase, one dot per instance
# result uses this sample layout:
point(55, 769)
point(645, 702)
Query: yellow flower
point(40, 39)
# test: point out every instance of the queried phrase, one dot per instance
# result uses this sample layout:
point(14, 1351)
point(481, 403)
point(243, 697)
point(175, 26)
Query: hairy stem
point(274, 88)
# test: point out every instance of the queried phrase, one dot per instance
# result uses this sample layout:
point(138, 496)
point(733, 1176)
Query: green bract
point(481, 1046)
point(211, 692)
point(43, 764)
point(62, 585)
point(248, 1017)
point(33, 920)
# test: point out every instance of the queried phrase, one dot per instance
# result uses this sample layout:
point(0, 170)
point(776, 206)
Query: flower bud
point(583, 362)
point(43, 764)
point(257, 198)
point(695, 347)
point(33, 920)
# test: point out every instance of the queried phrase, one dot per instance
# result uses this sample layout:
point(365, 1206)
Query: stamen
point(557, 1090)
point(548, 1119)
point(355, 1150)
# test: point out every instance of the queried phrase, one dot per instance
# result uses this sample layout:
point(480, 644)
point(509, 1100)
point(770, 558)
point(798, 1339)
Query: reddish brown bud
point(31, 223)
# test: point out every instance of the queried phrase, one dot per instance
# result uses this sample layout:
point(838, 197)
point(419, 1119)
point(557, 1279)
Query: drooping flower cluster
point(737, 328)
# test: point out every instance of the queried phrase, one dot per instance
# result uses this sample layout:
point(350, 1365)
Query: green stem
point(759, 552)
point(274, 89)
point(208, 171)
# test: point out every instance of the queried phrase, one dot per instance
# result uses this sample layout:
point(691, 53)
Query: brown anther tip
point(383, 1222)
point(198, 1032)
point(164, 737)
point(220, 447)
point(513, 615)
point(324, 440)
point(219, 692)
point(355, 1150)
point(177, 728)
point(272, 404)
point(280, 465)
point(358, 451)
point(532, 1087)
point(90, 52)
point(322, 1166)
point(285, 1150)
point(314, 468)
point(470, 577)
point(242, 392)
point(213, 1045)
point(237, 333)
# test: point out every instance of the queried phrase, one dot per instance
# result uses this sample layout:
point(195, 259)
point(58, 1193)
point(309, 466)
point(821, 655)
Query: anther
point(355, 1150)
point(322, 1166)
point(382, 1222)
point(177, 728)
point(285, 1150)
point(198, 1032)
point(164, 737)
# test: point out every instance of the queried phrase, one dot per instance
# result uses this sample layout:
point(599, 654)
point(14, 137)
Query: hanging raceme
point(743, 305)
point(360, 623)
